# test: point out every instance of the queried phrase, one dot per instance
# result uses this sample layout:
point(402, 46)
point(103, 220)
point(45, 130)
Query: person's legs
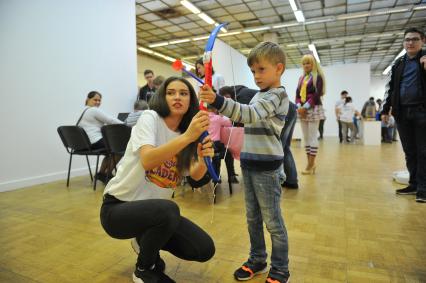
point(321, 128)
point(340, 131)
point(152, 222)
point(420, 136)
point(290, 170)
point(353, 132)
point(268, 193)
point(254, 218)
point(313, 141)
point(305, 131)
point(190, 242)
point(344, 131)
point(407, 135)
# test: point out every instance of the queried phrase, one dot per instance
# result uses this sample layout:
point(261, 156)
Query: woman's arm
point(104, 118)
point(152, 156)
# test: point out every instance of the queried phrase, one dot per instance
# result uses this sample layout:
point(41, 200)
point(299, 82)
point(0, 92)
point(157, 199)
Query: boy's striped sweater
point(263, 119)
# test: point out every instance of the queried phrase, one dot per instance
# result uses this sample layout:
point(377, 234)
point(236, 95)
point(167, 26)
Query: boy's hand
point(207, 94)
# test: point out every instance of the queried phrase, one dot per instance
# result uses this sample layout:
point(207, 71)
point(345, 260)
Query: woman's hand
point(206, 94)
point(302, 112)
point(200, 123)
point(205, 148)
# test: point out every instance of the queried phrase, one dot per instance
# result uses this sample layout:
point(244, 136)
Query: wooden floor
point(345, 224)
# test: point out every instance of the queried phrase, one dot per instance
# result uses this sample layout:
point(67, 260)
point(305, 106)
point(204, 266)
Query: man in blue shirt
point(406, 96)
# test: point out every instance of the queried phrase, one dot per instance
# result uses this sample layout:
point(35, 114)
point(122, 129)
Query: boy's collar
point(268, 88)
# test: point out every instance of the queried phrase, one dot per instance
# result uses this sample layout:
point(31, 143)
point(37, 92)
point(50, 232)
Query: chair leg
point(90, 170)
point(69, 170)
point(95, 179)
point(230, 187)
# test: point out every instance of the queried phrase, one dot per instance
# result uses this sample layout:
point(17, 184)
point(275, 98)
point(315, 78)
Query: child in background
point(261, 160)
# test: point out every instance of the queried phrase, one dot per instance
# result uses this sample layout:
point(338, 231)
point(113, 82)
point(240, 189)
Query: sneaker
point(277, 277)
point(249, 269)
point(150, 276)
point(421, 197)
point(290, 185)
point(406, 191)
point(160, 265)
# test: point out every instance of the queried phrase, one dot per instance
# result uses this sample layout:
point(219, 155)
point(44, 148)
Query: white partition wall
point(52, 54)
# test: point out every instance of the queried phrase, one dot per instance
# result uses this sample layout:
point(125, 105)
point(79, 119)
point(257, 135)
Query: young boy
point(261, 160)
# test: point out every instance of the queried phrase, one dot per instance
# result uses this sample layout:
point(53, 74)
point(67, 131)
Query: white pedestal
point(371, 131)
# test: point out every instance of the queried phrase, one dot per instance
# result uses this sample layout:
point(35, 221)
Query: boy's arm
point(248, 114)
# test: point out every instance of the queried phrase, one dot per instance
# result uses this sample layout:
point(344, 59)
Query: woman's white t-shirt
point(347, 112)
point(132, 181)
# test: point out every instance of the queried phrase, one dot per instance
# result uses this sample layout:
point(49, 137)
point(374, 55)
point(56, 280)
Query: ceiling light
point(257, 29)
point(293, 5)
point(385, 12)
point(206, 18)
point(158, 44)
point(286, 25)
point(352, 16)
point(146, 50)
point(200, 38)
point(419, 8)
point(190, 6)
point(314, 52)
point(229, 33)
point(299, 16)
point(179, 41)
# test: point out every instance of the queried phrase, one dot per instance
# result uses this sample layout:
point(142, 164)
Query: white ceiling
point(343, 31)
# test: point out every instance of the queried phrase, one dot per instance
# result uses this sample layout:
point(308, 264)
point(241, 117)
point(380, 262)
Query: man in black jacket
point(148, 90)
point(406, 97)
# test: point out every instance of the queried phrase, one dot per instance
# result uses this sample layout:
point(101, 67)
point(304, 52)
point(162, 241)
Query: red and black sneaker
point(249, 269)
point(275, 276)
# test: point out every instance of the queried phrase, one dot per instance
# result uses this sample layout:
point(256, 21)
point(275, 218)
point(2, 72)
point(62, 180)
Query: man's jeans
point(262, 197)
point(286, 137)
point(411, 126)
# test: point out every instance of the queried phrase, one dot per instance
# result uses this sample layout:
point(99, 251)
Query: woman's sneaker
point(160, 265)
point(249, 269)
point(150, 276)
point(277, 277)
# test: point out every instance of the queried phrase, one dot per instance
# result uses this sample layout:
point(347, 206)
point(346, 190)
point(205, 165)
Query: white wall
point(377, 87)
point(232, 65)
point(52, 54)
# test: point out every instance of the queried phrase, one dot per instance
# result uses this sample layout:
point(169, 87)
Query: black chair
point(116, 138)
point(77, 142)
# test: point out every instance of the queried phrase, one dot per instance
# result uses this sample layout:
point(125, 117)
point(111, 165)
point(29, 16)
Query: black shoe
point(249, 269)
point(277, 276)
point(160, 265)
point(233, 179)
point(406, 191)
point(421, 197)
point(150, 276)
point(101, 177)
point(289, 185)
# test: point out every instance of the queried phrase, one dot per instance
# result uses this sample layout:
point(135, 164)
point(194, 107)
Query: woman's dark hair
point(200, 62)
point(348, 99)
point(92, 94)
point(158, 103)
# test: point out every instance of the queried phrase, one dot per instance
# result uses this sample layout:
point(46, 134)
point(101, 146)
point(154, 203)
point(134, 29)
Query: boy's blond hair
point(268, 51)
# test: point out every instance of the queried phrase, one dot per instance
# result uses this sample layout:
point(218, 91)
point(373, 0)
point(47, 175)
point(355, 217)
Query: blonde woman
point(310, 89)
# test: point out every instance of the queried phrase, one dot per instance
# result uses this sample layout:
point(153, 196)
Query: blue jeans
point(286, 137)
point(262, 196)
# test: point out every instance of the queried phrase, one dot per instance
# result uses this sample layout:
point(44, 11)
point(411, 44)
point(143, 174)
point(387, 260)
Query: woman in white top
point(163, 148)
point(217, 80)
point(346, 115)
point(92, 120)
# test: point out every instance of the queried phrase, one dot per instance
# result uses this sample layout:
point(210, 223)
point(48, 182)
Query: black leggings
point(157, 225)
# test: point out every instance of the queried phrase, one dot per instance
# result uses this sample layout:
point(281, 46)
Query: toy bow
point(208, 72)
